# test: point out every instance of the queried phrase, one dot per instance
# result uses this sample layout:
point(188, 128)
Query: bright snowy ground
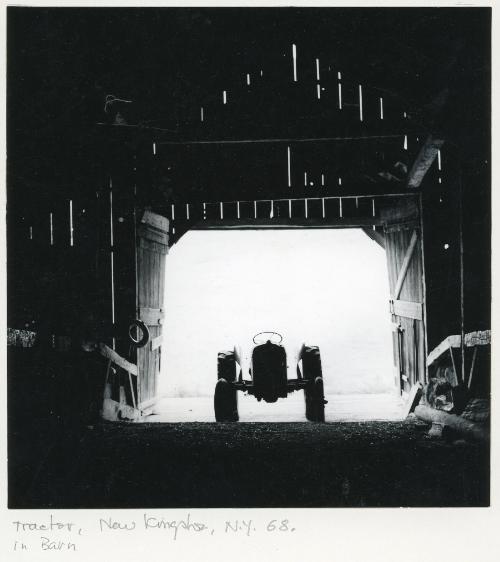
point(340, 407)
point(322, 287)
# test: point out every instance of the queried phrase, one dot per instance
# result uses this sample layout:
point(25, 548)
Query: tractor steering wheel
point(272, 337)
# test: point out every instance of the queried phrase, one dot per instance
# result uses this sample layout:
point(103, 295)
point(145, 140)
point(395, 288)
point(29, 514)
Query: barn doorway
point(326, 287)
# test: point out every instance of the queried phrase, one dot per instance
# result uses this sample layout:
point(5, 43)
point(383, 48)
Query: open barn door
point(404, 260)
point(151, 249)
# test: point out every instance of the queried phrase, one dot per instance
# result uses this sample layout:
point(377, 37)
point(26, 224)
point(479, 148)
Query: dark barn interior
point(129, 127)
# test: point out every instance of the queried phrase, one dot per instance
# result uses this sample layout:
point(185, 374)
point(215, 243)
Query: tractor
point(269, 378)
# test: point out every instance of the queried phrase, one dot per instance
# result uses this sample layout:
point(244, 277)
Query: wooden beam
point(406, 263)
point(356, 134)
point(408, 309)
point(152, 234)
point(293, 223)
point(471, 372)
point(424, 161)
point(445, 345)
point(157, 221)
point(413, 399)
point(459, 424)
point(111, 354)
point(402, 212)
point(462, 281)
point(478, 338)
point(151, 316)
point(453, 361)
point(156, 342)
point(471, 339)
point(376, 236)
point(132, 391)
point(404, 225)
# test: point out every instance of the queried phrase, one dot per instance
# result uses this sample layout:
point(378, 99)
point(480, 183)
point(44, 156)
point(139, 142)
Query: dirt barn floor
point(123, 465)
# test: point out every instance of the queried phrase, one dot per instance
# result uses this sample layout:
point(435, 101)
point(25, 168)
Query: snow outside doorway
point(322, 287)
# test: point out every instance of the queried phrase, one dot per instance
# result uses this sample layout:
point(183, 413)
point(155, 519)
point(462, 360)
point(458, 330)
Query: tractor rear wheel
point(225, 402)
point(226, 365)
point(226, 396)
point(315, 400)
point(314, 391)
point(311, 362)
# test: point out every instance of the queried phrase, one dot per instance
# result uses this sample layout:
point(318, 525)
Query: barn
point(130, 129)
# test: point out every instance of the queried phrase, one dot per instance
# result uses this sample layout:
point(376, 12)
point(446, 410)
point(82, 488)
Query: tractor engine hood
point(269, 372)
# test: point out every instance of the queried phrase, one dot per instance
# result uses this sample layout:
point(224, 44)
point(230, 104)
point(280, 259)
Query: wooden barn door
point(151, 249)
point(404, 259)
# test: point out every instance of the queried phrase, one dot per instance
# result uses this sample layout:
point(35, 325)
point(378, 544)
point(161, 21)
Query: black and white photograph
point(248, 258)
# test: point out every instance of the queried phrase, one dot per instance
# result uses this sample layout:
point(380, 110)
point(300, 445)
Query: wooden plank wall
point(151, 252)
point(57, 270)
point(440, 197)
point(412, 336)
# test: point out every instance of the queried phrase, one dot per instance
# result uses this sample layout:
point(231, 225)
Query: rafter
point(424, 161)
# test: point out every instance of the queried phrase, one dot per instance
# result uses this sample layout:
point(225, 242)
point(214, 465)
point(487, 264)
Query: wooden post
point(107, 384)
point(413, 399)
point(112, 257)
point(469, 384)
point(462, 304)
point(424, 286)
point(423, 162)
